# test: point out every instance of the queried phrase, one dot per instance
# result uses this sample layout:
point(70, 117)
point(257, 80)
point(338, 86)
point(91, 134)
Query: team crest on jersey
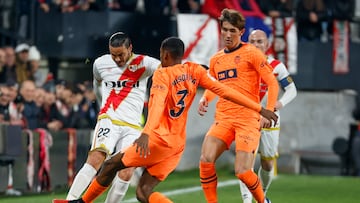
point(237, 59)
point(133, 68)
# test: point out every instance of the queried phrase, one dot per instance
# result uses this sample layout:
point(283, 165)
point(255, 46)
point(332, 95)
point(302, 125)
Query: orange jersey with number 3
point(173, 91)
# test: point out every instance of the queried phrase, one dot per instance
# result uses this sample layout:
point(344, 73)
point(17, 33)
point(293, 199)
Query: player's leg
point(121, 182)
point(144, 190)
point(268, 149)
point(104, 178)
point(86, 174)
point(247, 140)
point(213, 146)
point(102, 144)
point(245, 193)
point(244, 190)
point(166, 159)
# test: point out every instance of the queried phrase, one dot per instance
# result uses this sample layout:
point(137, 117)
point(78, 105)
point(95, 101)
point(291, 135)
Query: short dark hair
point(119, 39)
point(232, 16)
point(175, 46)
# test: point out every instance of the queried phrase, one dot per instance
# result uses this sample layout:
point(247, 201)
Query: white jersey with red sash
point(124, 88)
point(123, 92)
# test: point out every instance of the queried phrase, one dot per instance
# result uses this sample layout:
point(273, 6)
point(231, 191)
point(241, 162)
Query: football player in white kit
point(122, 76)
point(269, 140)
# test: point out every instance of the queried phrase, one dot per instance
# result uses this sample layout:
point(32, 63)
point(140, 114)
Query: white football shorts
point(109, 137)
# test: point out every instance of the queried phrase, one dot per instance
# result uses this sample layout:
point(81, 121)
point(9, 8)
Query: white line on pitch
point(188, 190)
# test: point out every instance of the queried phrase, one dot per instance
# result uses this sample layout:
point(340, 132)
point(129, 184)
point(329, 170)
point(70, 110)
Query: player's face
point(259, 40)
point(120, 54)
point(231, 35)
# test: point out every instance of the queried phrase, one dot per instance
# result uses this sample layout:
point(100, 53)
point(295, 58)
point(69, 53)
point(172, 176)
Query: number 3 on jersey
point(180, 104)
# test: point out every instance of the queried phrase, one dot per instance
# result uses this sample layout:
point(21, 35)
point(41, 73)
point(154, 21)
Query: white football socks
point(245, 193)
point(117, 191)
point(266, 178)
point(81, 181)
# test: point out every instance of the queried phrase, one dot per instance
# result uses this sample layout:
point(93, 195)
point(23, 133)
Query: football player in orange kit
point(162, 142)
point(239, 66)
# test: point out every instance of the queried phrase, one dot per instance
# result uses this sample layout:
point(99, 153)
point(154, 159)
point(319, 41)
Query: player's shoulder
point(106, 58)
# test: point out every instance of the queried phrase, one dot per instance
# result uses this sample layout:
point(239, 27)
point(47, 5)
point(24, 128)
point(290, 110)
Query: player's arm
point(206, 98)
point(287, 84)
point(265, 71)
point(97, 84)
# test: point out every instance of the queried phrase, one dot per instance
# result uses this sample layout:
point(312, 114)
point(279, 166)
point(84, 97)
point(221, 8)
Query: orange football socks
point(94, 190)
point(252, 181)
point(208, 179)
point(157, 197)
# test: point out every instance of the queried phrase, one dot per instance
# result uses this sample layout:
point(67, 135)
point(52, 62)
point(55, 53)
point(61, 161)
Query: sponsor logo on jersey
point(226, 74)
point(121, 83)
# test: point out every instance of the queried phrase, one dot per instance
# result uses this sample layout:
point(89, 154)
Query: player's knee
point(96, 158)
point(267, 165)
point(126, 174)
point(205, 158)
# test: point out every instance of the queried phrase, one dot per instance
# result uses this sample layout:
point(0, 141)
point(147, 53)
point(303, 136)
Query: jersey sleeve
point(226, 92)
point(96, 73)
point(151, 64)
point(265, 71)
point(287, 83)
point(158, 94)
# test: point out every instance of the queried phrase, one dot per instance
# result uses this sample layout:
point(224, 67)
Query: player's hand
point(269, 115)
point(264, 123)
point(203, 104)
point(142, 145)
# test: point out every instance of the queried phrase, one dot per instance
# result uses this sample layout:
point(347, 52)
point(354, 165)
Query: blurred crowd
point(32, 100)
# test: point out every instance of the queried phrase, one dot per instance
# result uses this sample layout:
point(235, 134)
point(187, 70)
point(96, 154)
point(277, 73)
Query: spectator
point(341, 10)
point(309, 16)
point(30, 111)
point(10, 64)
point(4, 104)
point(49, 116)
point(34, 59)
point(2, 66)
point(92, 106)
point(78, 110)
point(185, 6)
point(4, 159)
point(15, 105)
point(22, 65)
point(276, 8)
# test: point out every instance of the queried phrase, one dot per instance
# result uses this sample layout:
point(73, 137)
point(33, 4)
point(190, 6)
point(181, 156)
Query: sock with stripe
point(157, 197)
point(94, 190)
point(208, 179)
point(250, 179)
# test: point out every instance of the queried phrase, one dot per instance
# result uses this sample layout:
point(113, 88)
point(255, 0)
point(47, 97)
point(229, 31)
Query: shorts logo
point(231, 73)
